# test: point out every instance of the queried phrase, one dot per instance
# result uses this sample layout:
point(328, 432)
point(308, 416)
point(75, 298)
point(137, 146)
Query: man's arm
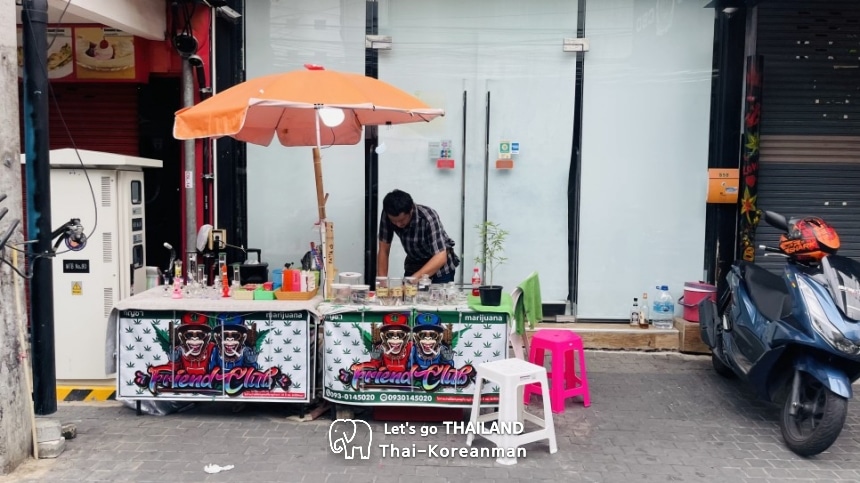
point(433, 265)
point(382, 253)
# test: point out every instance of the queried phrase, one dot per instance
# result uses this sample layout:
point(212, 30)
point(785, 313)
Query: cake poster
point(89, 53)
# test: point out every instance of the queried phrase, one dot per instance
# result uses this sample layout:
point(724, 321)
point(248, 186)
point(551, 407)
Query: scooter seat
point(768, 291)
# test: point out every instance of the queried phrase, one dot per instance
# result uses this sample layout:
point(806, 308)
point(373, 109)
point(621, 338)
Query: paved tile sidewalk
point(655, 417)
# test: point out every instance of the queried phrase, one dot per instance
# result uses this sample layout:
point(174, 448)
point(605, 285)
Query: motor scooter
point(794, 337)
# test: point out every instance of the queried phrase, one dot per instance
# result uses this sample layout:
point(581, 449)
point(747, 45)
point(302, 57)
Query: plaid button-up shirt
point(422, 238)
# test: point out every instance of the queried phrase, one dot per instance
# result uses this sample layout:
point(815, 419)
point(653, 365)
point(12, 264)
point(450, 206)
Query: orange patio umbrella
point(292, 105)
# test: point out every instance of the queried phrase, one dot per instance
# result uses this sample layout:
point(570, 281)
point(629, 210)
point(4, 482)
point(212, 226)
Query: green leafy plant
point(492, 238)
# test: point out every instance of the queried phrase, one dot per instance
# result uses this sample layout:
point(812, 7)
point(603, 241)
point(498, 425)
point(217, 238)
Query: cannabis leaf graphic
point(163, 339)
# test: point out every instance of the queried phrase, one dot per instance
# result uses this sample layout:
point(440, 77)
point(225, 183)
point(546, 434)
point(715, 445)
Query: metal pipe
point(464, 266)
point(34, 17)
point(574, 182)
point(486, 183)
point(190, 164)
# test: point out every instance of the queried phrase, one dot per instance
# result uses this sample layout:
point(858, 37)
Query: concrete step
point(684, 337)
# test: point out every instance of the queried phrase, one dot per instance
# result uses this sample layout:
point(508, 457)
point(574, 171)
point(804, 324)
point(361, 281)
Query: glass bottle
point(634, 313)
point(644, 317)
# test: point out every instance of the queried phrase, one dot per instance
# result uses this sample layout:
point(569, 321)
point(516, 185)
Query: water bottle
point(663, 309)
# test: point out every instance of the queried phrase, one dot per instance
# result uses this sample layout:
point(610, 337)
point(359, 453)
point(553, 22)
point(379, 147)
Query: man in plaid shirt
point(429, 250)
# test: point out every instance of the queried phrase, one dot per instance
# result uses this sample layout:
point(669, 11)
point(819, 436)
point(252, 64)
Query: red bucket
point(695, 292)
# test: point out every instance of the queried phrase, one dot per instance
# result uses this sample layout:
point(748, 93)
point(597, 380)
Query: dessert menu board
point(89, 53)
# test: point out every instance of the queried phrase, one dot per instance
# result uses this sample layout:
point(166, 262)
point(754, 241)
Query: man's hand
point(433, 265)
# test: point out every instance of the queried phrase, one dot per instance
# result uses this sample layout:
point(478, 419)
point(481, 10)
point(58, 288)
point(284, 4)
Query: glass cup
point(236, 277)
point(201, 276)
point(382, 292)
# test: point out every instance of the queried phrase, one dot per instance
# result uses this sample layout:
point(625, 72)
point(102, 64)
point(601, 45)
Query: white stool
point(512, 375)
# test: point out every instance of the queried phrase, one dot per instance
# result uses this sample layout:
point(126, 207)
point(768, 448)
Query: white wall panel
point(282, 205)
point(645, 151)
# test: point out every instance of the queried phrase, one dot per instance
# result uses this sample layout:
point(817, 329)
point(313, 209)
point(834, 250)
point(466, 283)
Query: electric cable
point(31, 257)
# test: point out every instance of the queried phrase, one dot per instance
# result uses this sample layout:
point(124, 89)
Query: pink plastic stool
point(564, 380)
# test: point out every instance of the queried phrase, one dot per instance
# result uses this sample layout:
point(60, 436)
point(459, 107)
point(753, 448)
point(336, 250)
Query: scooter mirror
point(776, 220)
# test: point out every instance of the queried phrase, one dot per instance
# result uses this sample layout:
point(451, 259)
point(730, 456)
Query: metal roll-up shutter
point(811, 67)
point(828, 190)
point(810, 120)
point(100, 117)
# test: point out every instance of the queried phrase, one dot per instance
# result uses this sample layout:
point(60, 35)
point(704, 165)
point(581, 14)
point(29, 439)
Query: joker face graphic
point(193, 341)
point(429, 342)
point(232, 341)
point(394, 341)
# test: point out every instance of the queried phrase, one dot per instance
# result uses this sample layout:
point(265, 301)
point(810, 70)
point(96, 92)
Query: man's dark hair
point(397, 202)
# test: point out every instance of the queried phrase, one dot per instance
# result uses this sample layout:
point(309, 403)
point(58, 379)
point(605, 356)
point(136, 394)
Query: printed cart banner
point(410, 357)
point(179, 355)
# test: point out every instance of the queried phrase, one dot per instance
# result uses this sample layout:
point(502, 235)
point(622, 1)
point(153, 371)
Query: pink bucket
point(695, 292)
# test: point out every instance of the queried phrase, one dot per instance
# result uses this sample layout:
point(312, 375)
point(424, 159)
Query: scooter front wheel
point(818, 420)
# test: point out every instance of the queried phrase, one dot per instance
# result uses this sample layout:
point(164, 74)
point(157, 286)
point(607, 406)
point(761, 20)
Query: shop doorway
point(158, 101)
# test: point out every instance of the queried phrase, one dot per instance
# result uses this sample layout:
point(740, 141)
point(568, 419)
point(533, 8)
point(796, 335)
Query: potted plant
point(492, 238)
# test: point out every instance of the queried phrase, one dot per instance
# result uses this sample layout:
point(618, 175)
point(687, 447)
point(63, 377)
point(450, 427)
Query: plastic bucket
point(695, 292)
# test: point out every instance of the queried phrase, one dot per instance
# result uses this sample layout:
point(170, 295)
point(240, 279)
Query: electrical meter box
point(105, 191)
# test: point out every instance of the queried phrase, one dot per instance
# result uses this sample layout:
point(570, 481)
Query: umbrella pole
point(319, 183)
point(326, 228)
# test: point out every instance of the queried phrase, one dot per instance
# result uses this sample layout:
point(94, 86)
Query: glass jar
point(395, 290)
point(382, 293)
point(437, 294)
point(359, 294)
point(342, 293)
point(424, 289)
point(410, 290)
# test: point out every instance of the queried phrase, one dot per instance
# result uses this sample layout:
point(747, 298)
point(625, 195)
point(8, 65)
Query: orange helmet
point(809, 239)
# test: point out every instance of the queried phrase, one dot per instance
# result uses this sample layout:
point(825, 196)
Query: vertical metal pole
point(486, 182)
point(465, 266)
point(574, 183)
point(34, 17)
point(371, 158)
point(190, 174)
